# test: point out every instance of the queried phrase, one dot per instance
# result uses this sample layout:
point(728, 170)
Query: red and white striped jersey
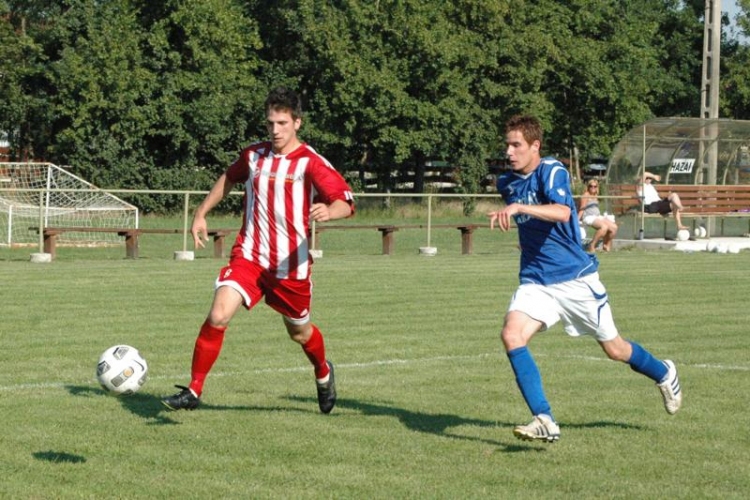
point(279, 190)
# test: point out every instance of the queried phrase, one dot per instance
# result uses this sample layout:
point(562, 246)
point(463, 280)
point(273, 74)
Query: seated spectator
point(653, 203)
point(590, 215)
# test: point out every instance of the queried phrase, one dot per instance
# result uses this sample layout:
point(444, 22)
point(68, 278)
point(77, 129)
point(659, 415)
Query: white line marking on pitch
point(384, 362)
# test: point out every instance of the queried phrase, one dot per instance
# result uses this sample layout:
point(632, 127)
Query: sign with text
point(682, 166)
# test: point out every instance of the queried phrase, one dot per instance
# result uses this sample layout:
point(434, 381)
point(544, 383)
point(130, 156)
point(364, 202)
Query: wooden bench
point(387, 233)
point(131, 235)
point(699, 200)
point(705, 204)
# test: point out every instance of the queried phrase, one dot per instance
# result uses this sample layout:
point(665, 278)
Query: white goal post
point(34, 194)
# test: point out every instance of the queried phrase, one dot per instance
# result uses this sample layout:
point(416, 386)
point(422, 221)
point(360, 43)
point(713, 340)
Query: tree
point(735, 82)
point(132, 94)
point(100, 90)
point(138, 94)
point(207, 99)
point(593, 70)
point(391, 83)
point(24, 109)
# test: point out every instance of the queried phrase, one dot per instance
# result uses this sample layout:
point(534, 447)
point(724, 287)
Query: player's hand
point(502, 217)
point(199, 231)
point(319, 212)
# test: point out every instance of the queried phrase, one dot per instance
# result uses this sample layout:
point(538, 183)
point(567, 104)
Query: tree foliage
point(735, 85)
point(141, 94)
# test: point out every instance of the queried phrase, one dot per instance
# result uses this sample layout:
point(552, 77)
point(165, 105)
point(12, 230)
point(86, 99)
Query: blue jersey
point(551, 252)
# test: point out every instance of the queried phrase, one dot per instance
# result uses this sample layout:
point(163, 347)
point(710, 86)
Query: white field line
point(369, 364)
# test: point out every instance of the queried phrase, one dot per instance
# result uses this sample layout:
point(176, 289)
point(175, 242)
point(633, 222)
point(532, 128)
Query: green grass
point(427, 398)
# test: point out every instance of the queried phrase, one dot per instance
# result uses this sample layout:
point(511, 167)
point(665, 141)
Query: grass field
point(427, 400)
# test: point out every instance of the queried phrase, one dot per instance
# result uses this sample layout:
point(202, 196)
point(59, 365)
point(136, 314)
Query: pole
point(429, 219)
point(641, 182)
point(41, 222)
point(185, 222)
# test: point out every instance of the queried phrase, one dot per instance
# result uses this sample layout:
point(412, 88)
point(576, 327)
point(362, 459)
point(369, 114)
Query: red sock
point(315, 350)
point(207, 349)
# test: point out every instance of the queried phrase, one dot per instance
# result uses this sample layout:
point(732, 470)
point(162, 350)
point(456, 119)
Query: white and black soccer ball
point(122, 370)
point(683, 235)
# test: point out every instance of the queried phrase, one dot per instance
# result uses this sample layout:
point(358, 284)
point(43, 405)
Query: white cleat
point(670, 389)
point(542, 428)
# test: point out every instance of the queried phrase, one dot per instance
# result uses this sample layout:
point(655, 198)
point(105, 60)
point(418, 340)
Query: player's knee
point(511, 338)
point(218, 318)
point(617, 351)
point(299, 333)
point(220, 315)
point(617, 356)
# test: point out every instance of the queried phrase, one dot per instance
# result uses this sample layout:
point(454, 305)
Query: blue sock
point(529, 381)
point(644, 362)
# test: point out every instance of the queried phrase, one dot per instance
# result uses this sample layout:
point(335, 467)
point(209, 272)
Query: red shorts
point(290, 298)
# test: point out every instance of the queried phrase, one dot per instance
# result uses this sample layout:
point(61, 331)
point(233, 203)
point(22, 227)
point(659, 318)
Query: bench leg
point(131, 245)
point(218, 246)
point(467, 240)
point(50, 245)
point(388, 241)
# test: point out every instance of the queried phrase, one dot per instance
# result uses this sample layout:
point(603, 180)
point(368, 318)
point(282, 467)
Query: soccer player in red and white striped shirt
point(287, 184)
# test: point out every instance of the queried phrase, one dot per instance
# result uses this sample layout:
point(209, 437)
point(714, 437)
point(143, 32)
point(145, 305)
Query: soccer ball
point(683, 235)
point(121, 370)
point(700, 232)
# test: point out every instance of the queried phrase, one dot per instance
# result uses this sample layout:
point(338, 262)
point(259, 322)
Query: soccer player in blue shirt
point(558, 279)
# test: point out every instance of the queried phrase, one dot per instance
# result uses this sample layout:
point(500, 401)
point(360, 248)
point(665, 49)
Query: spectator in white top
point(654, 204)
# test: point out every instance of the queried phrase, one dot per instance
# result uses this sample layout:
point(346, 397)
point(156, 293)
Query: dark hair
point(528, 125)
point(281, 99)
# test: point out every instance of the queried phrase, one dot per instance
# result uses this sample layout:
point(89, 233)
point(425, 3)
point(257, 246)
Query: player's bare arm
point(199, 228)
point(551, 213)
point(339, 209)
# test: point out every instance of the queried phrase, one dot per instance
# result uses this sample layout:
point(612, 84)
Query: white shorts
point(582, 305)
point(590, 219)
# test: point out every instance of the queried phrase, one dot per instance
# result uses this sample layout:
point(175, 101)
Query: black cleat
point(183, 400)
point(327, 392)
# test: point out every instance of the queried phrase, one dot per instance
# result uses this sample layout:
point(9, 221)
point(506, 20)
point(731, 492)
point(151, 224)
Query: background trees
point(141, 94)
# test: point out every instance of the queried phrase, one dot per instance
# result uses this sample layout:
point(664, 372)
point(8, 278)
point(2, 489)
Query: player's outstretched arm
point(199, 229)
point(554, 212)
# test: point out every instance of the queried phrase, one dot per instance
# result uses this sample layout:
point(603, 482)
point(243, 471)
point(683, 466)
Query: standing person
point(559, 280)
point(287, 184)
point(653, 203)
point(590, 215)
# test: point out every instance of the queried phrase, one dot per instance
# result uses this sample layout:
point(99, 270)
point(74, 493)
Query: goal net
point(43, 194)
